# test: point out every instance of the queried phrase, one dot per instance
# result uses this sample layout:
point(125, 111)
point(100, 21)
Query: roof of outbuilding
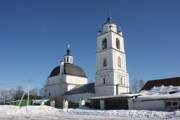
point(88, 88)
point(122, 95)
point(69, 69)
point(166, 82)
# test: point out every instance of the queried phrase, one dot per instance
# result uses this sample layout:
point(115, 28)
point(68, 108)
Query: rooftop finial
point(109, 19)
point(68, 50)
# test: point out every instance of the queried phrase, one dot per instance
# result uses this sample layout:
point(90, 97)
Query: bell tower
point(111, 74)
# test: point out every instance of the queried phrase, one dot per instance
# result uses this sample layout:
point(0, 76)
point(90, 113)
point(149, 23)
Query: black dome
point(55, 71)
point(69, 69)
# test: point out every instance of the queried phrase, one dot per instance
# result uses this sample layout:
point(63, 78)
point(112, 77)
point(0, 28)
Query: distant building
point(162, 94)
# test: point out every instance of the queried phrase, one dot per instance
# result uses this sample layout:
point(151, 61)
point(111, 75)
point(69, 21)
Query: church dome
point(69, 69)
point(55, 71)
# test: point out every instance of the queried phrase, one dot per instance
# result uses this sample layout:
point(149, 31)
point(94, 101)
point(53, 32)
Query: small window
point(104, 81)
point(104, 44)
point(174, 103)
point(117, 43)
point(119, 62)
point(167, 103)
point(104, 62)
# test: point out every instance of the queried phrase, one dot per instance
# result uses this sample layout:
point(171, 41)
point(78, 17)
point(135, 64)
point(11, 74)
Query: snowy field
point(49, 113)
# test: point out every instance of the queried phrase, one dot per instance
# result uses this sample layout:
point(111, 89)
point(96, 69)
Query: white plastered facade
point(58, 85)
point(112, 78)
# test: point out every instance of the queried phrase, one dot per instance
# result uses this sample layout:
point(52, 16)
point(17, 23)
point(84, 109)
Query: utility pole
point(26, 92)
point(21, 99)
point(28, 89)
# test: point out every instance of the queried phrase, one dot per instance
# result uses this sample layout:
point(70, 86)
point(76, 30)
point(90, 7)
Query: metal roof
point(88, 88)
point(175, 81)
point(69, 69)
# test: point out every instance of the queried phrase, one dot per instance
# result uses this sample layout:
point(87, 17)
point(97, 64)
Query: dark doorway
point(115, 104)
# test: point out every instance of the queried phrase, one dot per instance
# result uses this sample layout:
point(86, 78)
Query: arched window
point(119, 62)
point(104, 44)
point(104, 62)
point(117, 43)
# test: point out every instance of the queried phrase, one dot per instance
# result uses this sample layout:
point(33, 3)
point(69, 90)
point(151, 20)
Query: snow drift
point(50, 113)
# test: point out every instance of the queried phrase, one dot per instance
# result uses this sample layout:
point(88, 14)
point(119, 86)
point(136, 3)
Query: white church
point(111, 87)
point(70, 81)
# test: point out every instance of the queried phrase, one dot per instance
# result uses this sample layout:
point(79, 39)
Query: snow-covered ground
point(49, 113)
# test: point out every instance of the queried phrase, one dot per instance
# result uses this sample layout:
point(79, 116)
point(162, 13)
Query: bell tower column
point(111, 73)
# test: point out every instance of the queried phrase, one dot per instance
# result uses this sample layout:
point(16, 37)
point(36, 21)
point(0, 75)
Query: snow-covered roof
point(160, 93)
point(87, 88)
point(127, 95)
point(157, 97)
point(175, 81)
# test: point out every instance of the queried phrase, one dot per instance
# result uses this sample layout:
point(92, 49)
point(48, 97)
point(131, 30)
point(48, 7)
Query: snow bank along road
point(49, 113)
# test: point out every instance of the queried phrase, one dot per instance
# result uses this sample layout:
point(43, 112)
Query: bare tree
point(134, 86)
point(6, 95)
point(19, 93)
point(137, 85)
point(141, 84)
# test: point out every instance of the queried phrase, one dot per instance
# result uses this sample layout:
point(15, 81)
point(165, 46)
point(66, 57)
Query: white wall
point(147, 105)
point(58, 85)
point(77, 97)
point(55, 87)
point(104, 90)
point(55, 90)
point(71, 79)
point(108, 74)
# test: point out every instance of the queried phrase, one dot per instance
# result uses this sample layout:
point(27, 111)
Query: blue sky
point(34, 35)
